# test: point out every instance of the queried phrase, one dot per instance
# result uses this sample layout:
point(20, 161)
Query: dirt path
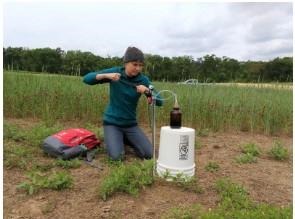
point(266, 181)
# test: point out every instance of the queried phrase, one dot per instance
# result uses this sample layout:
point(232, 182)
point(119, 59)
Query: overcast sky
point(243, 31)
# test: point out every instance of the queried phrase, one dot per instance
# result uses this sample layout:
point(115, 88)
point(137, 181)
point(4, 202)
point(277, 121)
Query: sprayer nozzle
point(176, 103)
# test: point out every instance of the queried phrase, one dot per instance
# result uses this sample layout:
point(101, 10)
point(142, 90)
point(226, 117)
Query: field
point(243, 153)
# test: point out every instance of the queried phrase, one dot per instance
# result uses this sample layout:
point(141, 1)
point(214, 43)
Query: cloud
point(237, 30)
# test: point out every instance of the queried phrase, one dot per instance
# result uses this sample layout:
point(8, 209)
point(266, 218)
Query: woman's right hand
point(110, 76)
point(113, 76)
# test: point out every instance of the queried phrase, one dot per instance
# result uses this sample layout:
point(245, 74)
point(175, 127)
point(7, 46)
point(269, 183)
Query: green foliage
point(13, 132)
point(251, 148)
point(38, 133)
point(250, 153)
point(209, 68)
point(33, 136)
point(17, 156)
point(234, 203)
point(182, 181)
point(67, 164)
point(212, 166)
point(214, 108)
point(127, 178)
point(188, 184)
point(233, 196)
point(37, 181)
point(246, 158)
point(192, 212)
point(278, 151)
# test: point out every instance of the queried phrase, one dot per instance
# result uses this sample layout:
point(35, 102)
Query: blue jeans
point(115, 137)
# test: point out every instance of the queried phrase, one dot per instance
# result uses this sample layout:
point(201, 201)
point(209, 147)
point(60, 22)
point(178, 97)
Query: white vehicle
point(190, 82)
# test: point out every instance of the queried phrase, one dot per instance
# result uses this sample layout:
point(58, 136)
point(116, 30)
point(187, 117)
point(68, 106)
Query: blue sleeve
point(90, 78)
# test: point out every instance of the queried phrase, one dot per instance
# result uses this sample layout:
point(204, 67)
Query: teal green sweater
point(121, 110)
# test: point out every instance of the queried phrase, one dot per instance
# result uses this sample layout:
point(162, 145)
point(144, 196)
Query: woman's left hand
point(141, 89)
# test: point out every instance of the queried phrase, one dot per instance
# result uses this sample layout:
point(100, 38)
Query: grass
point(246, 158)
point(38, 181)
point(212, 167)
point(20, 152)
point(33, 136)
point(17, 156)
point(55, 98)
point(250, 153)
point(127, 178)
point(278, 151)
point(251, 148)
point(234, 203)
point(68, 164)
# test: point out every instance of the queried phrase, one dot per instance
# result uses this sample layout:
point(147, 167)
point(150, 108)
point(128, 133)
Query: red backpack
point(70, 143)
point(78, 136)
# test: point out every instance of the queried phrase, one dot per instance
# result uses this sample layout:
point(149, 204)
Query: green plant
point(278, 151)
point(234, 203)
point(183, 212)
point(250, 153)
point(251, 148)
point(233, 196)
point(127, 178)
point(38, 180)
point(212, 166)
point(212, 108)
point(39, 132)
point(246, 158)
point(17, 156)
point(13, 132)
point(59, 181)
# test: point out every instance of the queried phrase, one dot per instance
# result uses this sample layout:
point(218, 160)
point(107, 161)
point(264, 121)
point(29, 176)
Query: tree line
point(208, 68)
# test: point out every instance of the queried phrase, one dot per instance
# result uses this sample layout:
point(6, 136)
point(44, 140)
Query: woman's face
point(133, 68)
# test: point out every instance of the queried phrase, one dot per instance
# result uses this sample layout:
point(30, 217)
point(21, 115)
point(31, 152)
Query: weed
point(67, 164)
point(183, 212)
point(250, 153)
point(251, 148)
point(37, 181)
point(17, 156)
point(39, 132)
point(59, 181)
point(183, 181)
point(246, 158)
point(13, 132)
point(43, 167)
point(234, 203)
point(127, 178)
point(278, 151)
point(212, 166)
point(233, 196)
point(190, 184)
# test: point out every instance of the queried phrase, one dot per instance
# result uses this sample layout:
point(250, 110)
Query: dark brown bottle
point(175, 118)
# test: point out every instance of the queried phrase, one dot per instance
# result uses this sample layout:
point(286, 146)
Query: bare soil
point(268, 181)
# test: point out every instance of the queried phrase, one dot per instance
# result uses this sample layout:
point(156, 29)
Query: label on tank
point(183, 147)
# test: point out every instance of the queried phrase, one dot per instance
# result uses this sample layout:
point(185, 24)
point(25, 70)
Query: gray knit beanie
point(133, 54)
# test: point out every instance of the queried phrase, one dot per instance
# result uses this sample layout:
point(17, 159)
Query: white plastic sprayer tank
point(176, 152)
